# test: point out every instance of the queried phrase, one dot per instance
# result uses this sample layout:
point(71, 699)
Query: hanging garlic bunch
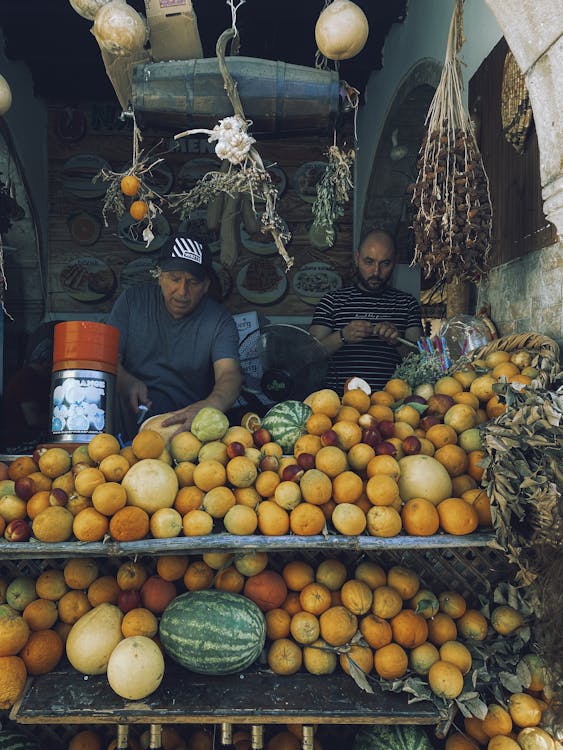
point(233, 141)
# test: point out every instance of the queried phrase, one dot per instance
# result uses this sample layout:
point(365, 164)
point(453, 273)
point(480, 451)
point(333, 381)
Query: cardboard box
point(173, 31)
point(120, 72)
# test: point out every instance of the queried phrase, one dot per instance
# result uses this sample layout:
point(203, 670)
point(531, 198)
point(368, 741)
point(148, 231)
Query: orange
point(371, 573)
point(420, 517)
point(241, 520)
point(391, 662)
point(331, 460)
point(461, 484)
point(315, 598)
point(453, 458)
point(87, 739)
point(505, 370)
point(425, 603)
point(51, 584)
point(404, 580)
point(409, 628)
point(130, 185)
point(524, 710)
point(458, 741)
point(382, 489)
point(506, 620)
point(482, 504)
point(348, 413)
point(139, 621)
point(331, 573)
point(288, 495)
point(266, 483)
point(172, 567)
point(494, 407)
point(218, 500)
point(129, 524)
point(272, 519)
point(13, 675)
point(14, 632)
point(347, 487)
point(362, 656)
point(457, 517)
point(381, 412)
point(304, 627)
point(461, 417)
point(147, 444)
point(387, 602)
point(441, 628)
point(338, 625)
point(456, 653)
point(109, 497)
point(472, 624)
point(241, 472)
point(284, 657)
point(277, 623)
point(441, 434)
point(185, 473)
point(139, 209)
point(101, 445)
point(197, 523)
point(534, 664)
point(247, 496)
point(198, 576)
point(452, 603)
point(73, 605)
point(316, 487)
point(40, 614)
point(89, 525)
point(422, 657)
point(445, 679)
point(474, 728)
point(103, 589)
point(384, 465)
point(358, 399)
point(497, 721)
point(318, 423)
point(209, 474)
point(21, 466)
point(376, 631)
point(229, 579)
point(297, 574)
point(326, 401)
point(114, 467)
point(188, 498)
point(42, 652)
point(349, 433)
point(505, 742)
point(359, 456)
point(398, 388)
point(473, 468)
point(482, 387)
point(383, 521)
point(382, 397)
point(349, 519)
point(356, 596)
point(291, 603)
point(448, 385)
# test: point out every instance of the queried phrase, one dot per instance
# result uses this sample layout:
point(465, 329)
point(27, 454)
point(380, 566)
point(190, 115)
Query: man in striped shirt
point(359, 324)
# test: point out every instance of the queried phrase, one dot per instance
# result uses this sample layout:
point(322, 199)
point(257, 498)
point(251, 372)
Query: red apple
point(411, 445)
point(329, 437)
point(415, 399)
point(57, 496)
point(385, 449)
point(439, 403)
point(386, 428)
point(17, 530)
point(128, 600)
point(261, 436)
point(367, 421)
point(24, 487)
point(292, 473)
point(306, 461)
point(235, 449)
point(371, 437)
point(428, 421)
point(269, 463)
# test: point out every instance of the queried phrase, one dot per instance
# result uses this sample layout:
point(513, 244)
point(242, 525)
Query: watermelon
point(286, 422)
point(213, 632)
point(392, 737)
point(12, 740)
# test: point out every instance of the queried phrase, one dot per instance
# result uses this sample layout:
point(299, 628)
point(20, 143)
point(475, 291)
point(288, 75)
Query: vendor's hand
point(386, 331)
point(184, 417)
point(357, 330)
point(137, 394)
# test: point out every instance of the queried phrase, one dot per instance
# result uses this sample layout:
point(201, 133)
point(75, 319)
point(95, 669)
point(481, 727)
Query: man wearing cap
point(178, 347)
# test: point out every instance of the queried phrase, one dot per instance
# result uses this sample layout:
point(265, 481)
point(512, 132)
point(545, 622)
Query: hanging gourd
point(119, 29)
point(87, 8)
point(5, 96)
point(341, 30)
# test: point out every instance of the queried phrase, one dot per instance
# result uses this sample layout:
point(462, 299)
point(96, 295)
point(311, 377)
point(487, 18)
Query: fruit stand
point(423, 571)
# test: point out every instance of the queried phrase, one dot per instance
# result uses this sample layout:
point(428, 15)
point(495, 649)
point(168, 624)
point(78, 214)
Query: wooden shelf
point(251, 697)
point(213, 542)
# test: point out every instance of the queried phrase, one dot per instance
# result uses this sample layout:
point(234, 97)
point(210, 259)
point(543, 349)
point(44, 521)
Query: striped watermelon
point(12, 740)
point(213, 632)
point(286, 422)
point(392, 737)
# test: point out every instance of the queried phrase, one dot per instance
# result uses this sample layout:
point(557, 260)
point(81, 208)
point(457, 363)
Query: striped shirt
point(372, 359)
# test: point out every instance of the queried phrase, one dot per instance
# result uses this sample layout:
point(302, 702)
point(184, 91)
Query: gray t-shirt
point(174, 358)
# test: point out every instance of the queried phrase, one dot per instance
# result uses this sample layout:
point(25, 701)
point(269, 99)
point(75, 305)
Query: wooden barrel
point(278, 97)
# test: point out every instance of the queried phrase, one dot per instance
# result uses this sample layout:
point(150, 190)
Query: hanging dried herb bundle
point(453, 220)
point(333, 192)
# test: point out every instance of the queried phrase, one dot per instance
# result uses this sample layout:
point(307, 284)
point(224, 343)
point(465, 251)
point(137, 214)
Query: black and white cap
point(183, 253)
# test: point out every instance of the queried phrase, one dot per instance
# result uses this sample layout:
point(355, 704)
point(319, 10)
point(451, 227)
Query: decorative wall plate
point(313, 280)
point(84, 228)
point(306, 178)
point(262, 282)
point(131, 233)
point(193, 170)
point(197, 223)
point(136, 272)
point(78, 175)
point(258, 242)
point(87, 279)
